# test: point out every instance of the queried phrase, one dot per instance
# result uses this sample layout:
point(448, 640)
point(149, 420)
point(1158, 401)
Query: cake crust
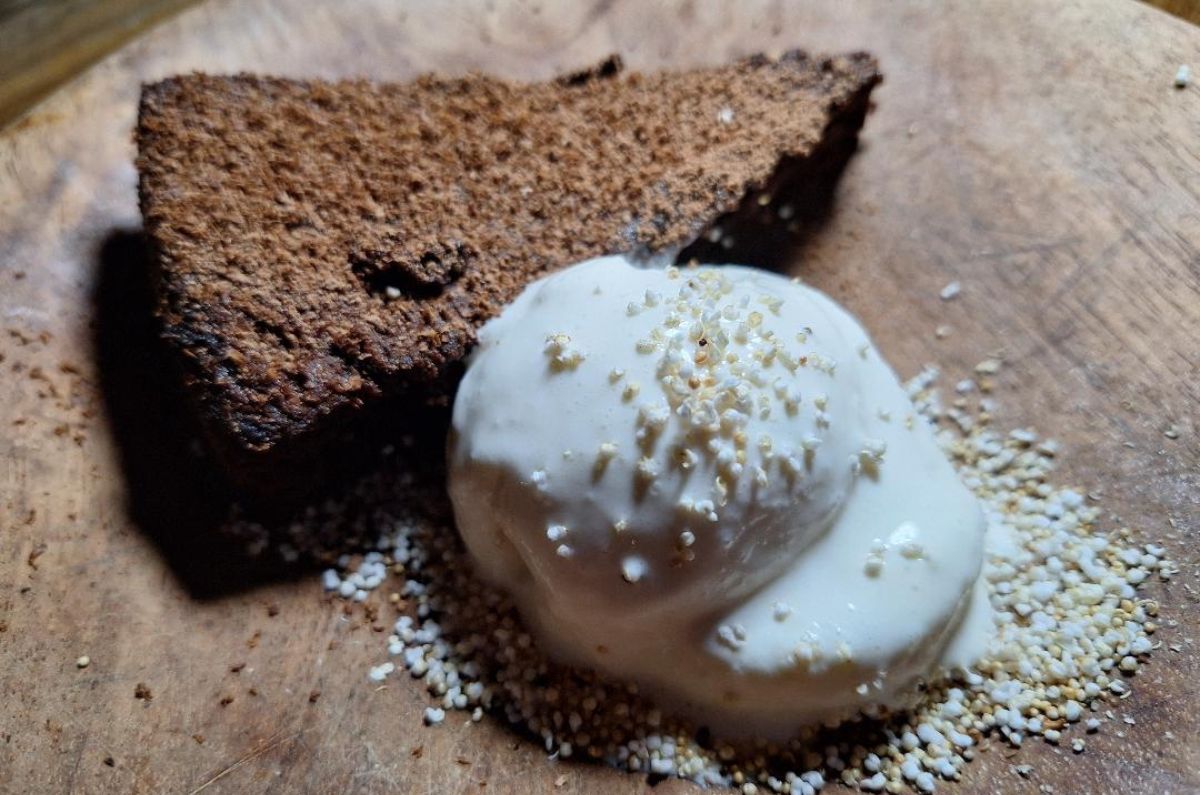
point(323, 246)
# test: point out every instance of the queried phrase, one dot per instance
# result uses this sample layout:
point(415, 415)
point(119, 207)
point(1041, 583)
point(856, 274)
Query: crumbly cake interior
point(322, 246)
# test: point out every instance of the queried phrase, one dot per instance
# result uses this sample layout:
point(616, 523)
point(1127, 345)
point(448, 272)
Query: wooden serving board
point(1037, 153)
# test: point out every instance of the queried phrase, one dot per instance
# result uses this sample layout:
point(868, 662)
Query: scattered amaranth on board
point(1072, 633)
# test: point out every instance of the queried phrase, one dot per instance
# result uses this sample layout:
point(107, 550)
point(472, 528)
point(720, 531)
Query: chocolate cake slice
point(326, 247)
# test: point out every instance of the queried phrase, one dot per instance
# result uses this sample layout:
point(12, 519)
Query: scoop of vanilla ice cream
point(706, 480)
point(614, 429)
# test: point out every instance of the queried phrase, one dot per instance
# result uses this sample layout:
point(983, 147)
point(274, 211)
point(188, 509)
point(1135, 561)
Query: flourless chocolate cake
point(325, 248)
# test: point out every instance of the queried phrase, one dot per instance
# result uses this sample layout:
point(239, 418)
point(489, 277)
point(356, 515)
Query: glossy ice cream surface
point(706, 480)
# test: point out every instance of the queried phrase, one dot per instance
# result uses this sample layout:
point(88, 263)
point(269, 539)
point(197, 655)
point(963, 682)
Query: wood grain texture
point(1037, 154)
point(1186, 9)
point(44, 43)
